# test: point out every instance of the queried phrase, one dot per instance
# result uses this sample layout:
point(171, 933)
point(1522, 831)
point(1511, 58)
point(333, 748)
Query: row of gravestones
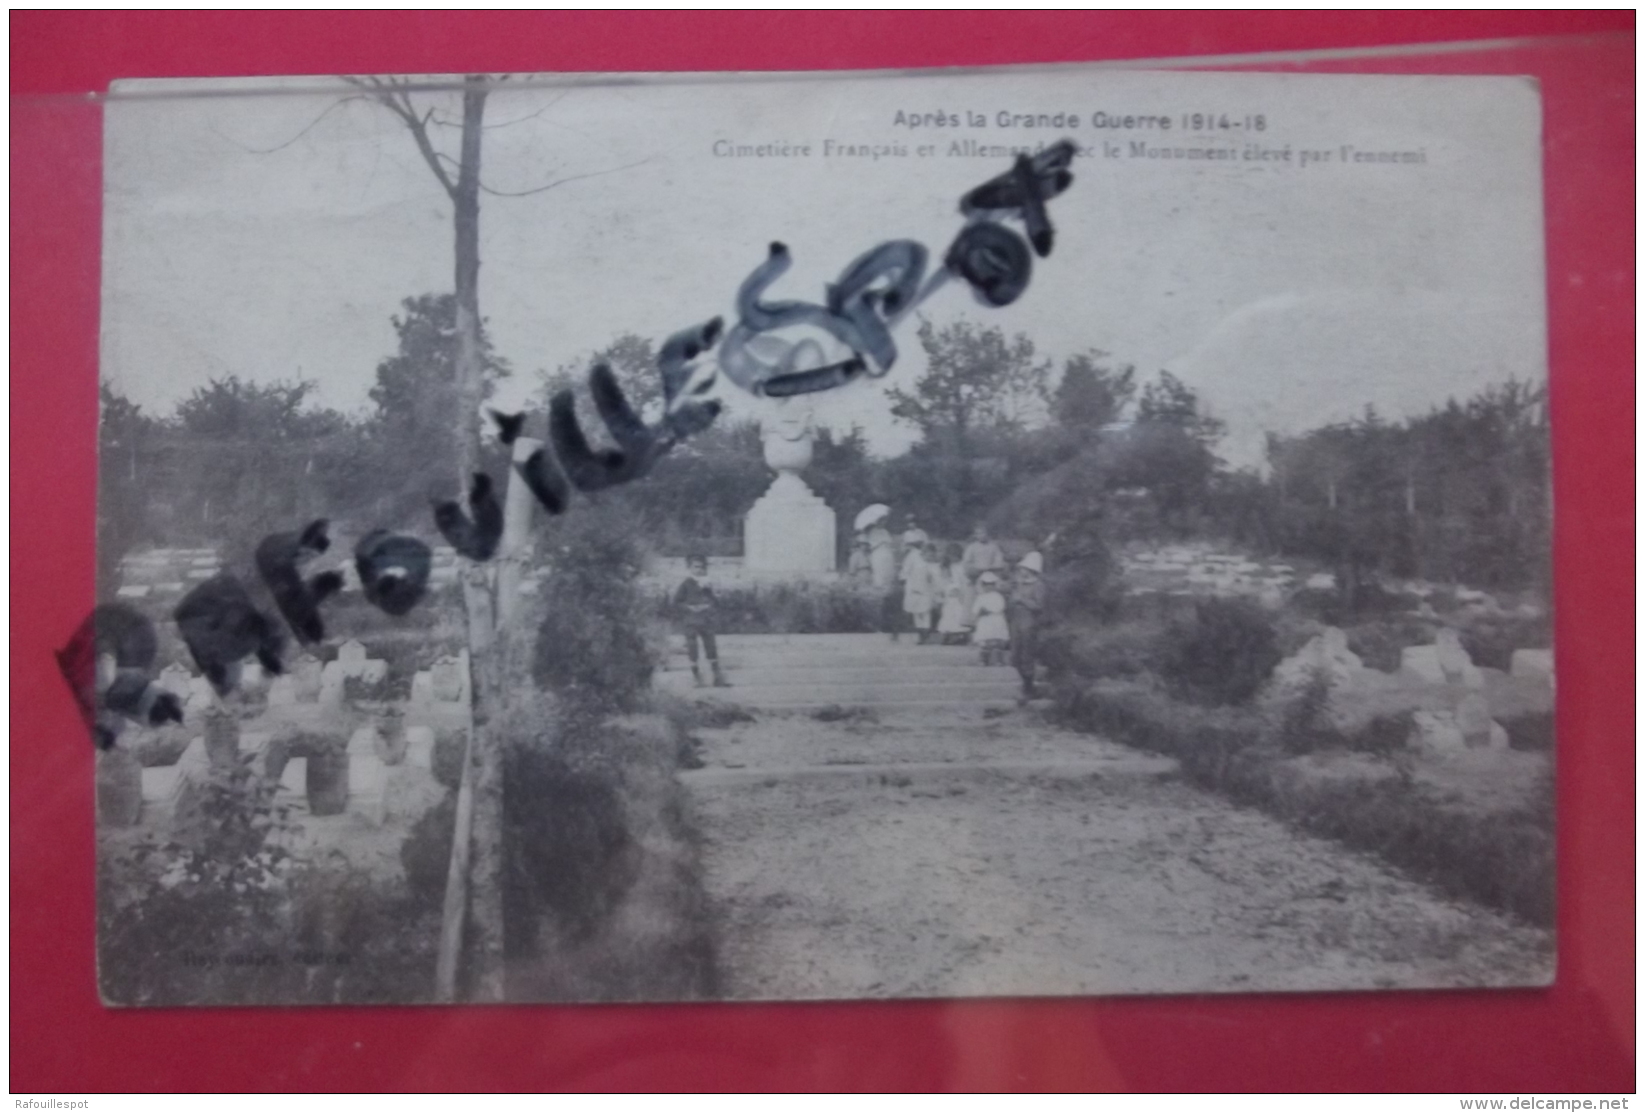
point(129, 794)
point(310, 682)
point(1469, 725)
point(1222, 573)
point(164, 572)
point(167, 572)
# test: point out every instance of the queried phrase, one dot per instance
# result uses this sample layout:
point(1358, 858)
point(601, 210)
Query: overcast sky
point(268, 237)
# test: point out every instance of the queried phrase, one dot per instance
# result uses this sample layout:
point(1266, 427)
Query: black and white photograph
point(1038, 532)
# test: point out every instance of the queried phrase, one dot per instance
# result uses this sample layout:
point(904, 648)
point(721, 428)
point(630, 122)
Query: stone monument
point(790, 528)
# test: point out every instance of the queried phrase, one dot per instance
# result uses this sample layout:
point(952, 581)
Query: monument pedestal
point(789, 529)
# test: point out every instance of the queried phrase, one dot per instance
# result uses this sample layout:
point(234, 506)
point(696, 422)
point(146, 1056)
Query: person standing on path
point(696, 605)
point(982, 555)
point(882, 573)
point(991, 633)
point(1023, 613)
point(919, 590)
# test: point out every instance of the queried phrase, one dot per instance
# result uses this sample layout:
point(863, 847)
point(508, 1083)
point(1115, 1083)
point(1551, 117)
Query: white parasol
point(871, 516)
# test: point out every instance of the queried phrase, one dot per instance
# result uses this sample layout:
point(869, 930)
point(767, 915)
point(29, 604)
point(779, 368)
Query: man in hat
point(1023, 613)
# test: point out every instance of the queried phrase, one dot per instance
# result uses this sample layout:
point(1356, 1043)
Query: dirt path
point(969, 852)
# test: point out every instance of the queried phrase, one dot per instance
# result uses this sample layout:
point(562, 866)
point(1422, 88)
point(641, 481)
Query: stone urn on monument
point(790, 528)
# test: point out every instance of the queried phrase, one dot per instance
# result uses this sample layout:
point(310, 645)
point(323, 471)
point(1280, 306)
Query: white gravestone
point(331, 685)
point(1532, 664)
point(1438, 731)
point(422, 687)
point(420, 746)
point(294, 778)
point(162, 783)
point(1454, 661)
point(1422, 661)
point(351, 656)
point(282, 692)
point(305, 672)
point(1479, 730)
point(789, 528)
point(446, 679)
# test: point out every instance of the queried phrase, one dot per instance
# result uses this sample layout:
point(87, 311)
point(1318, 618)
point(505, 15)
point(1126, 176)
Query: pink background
point(1579, 1035)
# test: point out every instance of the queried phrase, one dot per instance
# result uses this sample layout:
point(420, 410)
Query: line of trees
point(1459, 494)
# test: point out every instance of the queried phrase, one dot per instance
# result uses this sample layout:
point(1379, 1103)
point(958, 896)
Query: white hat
point(1033, 562)
point(871, 516)
point(989, 579)
point(915, 536)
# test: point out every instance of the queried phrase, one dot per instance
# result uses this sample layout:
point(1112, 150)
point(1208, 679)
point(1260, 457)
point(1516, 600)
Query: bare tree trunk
point(484, 767)
point(474, 879)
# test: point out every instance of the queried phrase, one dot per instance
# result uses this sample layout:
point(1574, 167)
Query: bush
point(592, 648)
point(799, 607)
point(450, 748)
point(1082, 580)
point(1379, 644)
point(217, 891)
point(569, 849)
point(1088, 650)
point(1223, 655)
point(1384, 734)
point(1491, 640)
point(1304, 725)
point(426, 853)
point(1504, 859)
point(1533, 731)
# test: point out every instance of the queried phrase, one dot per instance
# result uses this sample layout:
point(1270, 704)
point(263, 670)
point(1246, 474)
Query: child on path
point(696, 605)
point(991, 633)
point(954, 622)
point(1023, 614)
point(919, 590)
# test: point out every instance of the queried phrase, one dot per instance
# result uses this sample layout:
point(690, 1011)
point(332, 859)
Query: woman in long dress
point(882, 572)
point(919, 590)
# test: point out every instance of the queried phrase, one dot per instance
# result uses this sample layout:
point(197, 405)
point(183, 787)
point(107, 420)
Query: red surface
point(1579, 1035)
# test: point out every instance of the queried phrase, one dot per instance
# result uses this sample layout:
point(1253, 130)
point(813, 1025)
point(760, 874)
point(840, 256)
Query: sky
point(270, 230)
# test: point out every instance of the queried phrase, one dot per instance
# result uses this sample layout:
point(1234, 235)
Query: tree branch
point(391, 94)
point(561, 181)
point(306, 128)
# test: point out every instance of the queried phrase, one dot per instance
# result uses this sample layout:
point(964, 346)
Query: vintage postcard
point(1069, 531)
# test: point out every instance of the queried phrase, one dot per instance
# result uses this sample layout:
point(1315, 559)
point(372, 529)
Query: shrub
point(569, 849)
point(1378, 644)
point(1491, 640)
point(1384, 734)
point(1089, 650)
point(1533, 731)
point(592, 649)
point(798, 607)
point(426, 853)
point(450, 748)
point(1504, 859)
point(1223, 655)
point(1082, 579)
point(1304, 725)
point(218, 890)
